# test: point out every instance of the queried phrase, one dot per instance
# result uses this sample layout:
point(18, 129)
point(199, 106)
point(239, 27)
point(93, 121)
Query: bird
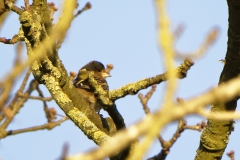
point(85, 89)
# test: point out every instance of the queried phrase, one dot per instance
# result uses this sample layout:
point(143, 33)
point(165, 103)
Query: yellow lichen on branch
point(90, 128)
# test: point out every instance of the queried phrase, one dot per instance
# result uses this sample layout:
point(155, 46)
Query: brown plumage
point(85, 89)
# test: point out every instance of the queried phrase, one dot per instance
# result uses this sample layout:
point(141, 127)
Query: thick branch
point(78, 117)
point(161, 118)
point(134, 88)
point(49, 70)
point(111, 108)
point(215, 136)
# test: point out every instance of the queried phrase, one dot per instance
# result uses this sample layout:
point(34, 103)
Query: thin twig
point(199, 126)
point(47, 126)
point(27, 6)
point(178, 31)
point(208, 42)
point(86, 7)
point(224, 92)
point(18, 104)
point(53, 9)
point(144, 99)
point(64, 152)
point(231, 155)
point(10, 106)
point(6, 89)
point(166, 145)
point(35, 97)
point(45, 106)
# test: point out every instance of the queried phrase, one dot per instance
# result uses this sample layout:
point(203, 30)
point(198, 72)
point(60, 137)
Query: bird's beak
point(105, 75)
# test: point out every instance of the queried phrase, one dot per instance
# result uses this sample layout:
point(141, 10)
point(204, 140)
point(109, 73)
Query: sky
point(123, 33)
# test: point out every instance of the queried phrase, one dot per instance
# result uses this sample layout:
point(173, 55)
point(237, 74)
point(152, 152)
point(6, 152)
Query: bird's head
point(96, 66)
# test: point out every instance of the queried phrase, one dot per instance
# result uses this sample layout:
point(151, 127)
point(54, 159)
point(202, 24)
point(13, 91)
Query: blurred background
point(123, 33)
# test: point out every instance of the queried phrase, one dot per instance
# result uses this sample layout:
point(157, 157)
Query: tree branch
point(36, 97)
point(47, 126)
point(15, 109)
point(215, 136)
point(134, 88)
point(160, 118)
point(13, 7)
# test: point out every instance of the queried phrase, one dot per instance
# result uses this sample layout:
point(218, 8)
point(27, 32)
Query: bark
point(36, 27)
point(215, 137)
